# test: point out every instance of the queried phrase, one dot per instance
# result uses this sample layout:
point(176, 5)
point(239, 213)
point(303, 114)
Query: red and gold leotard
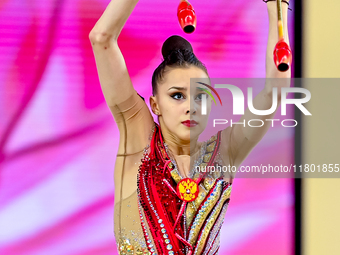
point(174, 226)
point(154, 219)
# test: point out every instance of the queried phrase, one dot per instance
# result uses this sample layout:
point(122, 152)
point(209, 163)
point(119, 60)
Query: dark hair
point(177, 52)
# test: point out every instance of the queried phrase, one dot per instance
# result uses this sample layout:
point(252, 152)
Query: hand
point(283, 2)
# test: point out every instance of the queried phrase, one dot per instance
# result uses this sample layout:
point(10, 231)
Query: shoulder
point(135, 123)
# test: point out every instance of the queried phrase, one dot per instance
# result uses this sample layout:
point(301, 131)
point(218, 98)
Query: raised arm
point(113, 74)
point(242, 139)
point(271, 70)
point(132, 115)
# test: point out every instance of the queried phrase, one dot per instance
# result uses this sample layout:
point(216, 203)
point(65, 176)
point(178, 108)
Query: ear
point(154, 105)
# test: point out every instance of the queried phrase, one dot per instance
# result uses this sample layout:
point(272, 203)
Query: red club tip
point(186, 17)
point(282, 56)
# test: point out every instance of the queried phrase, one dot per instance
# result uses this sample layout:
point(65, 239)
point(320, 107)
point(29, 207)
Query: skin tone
point(178, 100)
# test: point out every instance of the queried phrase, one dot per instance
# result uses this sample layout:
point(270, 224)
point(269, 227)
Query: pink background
point(58, 140)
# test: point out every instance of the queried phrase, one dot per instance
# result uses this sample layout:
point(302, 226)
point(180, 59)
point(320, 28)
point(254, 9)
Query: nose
point(193, 112)
point(191, 107)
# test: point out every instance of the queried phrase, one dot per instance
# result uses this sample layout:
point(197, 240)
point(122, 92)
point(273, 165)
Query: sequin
point(207, 157)
point(209, 223)
point(211, 147)
point(196, 212)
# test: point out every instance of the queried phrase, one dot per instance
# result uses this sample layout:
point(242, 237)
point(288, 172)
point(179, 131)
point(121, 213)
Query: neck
point(178, 146)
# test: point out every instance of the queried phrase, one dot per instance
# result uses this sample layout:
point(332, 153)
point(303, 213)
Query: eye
point(177, 96)
point(200, 96)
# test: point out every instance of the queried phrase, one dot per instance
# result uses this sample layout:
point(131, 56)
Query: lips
point(189, 123)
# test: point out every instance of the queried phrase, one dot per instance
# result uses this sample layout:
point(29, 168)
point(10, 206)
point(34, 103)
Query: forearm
point(271, 70)
point(112, 71)
point(112, 21)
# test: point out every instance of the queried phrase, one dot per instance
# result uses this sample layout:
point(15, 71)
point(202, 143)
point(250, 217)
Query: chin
point(185, 136)
point(193, 133)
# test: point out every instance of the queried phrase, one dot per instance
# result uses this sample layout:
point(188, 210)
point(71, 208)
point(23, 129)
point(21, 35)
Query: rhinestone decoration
point(204, 227)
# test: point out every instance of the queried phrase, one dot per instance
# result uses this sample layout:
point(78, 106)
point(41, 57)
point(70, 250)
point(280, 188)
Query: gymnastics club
point(282, 52)
point(186, 16)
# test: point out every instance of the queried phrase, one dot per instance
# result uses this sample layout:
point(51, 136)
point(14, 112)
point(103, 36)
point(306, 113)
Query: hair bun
point(173, 43)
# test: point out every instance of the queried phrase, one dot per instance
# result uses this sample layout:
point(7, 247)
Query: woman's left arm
point(243, 138)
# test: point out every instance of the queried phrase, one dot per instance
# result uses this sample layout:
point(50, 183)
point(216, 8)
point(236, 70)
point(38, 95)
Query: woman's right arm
point(113, 74)
point(132, 115)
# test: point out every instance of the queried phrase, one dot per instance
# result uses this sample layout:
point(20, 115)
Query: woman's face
point(178, 102)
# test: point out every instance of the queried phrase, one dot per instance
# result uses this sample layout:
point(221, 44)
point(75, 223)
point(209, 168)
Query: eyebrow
point(178, 88)
point(202, 83)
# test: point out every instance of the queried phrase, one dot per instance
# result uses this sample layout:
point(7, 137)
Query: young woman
point(162, 205)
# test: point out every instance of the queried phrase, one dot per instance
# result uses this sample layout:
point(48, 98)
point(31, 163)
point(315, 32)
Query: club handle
point(279, 19)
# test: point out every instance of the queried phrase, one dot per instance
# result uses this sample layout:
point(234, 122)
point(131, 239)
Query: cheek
point(169, 114)
point(173, 108)
point(173, 114)
point(204, 120)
